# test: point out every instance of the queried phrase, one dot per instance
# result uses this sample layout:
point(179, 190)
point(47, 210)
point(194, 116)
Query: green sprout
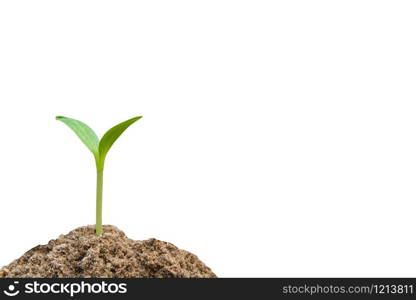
point(100, 149)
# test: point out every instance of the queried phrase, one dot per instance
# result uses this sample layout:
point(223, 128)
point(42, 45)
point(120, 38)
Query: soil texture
point(82, 254)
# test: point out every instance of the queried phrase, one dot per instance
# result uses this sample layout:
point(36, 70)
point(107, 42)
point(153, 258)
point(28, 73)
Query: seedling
point(100, 149)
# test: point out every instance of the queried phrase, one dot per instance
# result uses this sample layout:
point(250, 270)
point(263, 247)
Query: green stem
point(99, 204)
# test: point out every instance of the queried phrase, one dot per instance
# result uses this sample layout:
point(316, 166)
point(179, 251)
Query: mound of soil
point(82, 254)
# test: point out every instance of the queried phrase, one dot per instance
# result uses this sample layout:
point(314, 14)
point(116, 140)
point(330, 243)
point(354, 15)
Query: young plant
point(99, 149)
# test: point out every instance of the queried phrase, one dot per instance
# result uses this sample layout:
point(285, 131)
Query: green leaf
point(111, 136)
point(84, 132)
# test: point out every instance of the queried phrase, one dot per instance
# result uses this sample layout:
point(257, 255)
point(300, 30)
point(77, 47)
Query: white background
point(278, 137)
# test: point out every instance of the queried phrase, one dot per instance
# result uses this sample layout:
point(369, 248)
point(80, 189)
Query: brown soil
point(82, 254)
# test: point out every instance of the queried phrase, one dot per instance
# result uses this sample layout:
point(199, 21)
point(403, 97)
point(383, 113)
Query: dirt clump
point(82, 254)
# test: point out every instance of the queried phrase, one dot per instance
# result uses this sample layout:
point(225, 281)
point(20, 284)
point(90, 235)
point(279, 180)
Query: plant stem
point(99, 204)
